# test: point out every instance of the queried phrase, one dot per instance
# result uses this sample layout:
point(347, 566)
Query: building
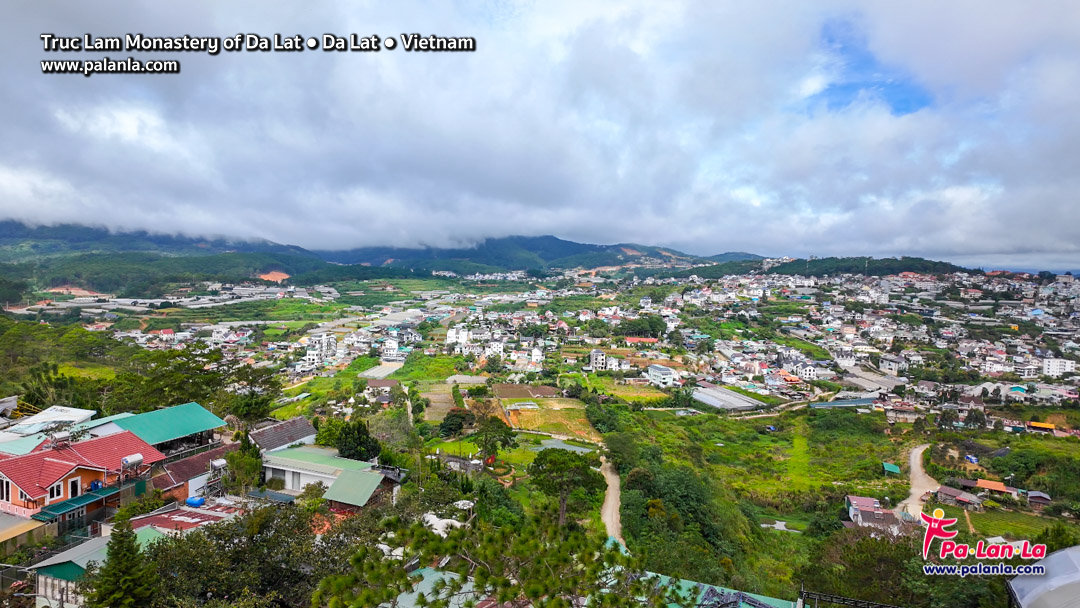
point(284, 434)
point(893, 365)
point(191, 476)
point(351, 483)
point(1038, 500)
point(57, 578)
point(661, 375)
point(960, 498)
point(1058, 367)
point(176, 429)
point(72, 483)
point(597, 359)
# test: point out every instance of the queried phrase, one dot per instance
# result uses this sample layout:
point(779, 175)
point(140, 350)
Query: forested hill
point(508, 253)
point(19, 242)
point(22, 243)
point(140, 274)
point(866, 265)
point(829, 266)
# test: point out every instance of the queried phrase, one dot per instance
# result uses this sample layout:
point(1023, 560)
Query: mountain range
point(20, 243)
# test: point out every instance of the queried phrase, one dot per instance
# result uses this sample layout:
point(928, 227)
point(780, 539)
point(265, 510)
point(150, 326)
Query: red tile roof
point(33, 473)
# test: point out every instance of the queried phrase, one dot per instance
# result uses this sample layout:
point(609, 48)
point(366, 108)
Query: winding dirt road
point(921, 483)
point(609, 512)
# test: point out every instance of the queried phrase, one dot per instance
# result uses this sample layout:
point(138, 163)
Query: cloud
point(832, 129)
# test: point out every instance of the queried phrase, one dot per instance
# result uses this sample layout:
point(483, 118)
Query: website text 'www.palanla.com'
point(110, 66)
point(982, 569)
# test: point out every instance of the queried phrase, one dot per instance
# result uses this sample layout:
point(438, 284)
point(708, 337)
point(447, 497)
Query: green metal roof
point(354, 487)
point(171, 423)
point(890, 468)
point(67, 571)
point(315, 459)
point(71, 564)
point(59, 508)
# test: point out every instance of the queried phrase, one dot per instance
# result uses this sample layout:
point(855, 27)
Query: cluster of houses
point(65, 473)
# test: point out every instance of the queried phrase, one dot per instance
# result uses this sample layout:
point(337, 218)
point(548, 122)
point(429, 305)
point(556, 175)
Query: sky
point(943, 130)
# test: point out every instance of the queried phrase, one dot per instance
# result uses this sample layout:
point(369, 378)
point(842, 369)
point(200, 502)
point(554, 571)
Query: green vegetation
point(419, 366)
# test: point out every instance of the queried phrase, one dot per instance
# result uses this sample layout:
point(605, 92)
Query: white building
point(597, 359)
point(1058, 367)
point(661, 375)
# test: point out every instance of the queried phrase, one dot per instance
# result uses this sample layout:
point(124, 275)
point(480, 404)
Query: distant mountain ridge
point(19, 242)
point(509, 253)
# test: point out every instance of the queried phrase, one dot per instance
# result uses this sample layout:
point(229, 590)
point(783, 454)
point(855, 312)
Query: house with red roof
point(65, 480)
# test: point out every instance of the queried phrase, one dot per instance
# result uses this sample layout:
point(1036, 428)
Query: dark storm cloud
point(706, 126)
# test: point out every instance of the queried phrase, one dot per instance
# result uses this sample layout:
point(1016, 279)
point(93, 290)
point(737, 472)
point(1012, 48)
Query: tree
point(947, 418)
point(493, 365)
point(126, 580)
point(1058, 536)
point(456, 419)
point(356, 442)
point(328, 431)
point(558, 472)
point(250, 407)
point(492, 434)
point(245, 464)
point(977, 419)
point(536, 563)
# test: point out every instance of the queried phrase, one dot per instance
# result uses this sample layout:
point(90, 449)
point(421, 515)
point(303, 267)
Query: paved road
point(921, 483)
point(609, 512)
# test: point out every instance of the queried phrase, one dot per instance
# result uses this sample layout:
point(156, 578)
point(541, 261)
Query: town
point(946, 390)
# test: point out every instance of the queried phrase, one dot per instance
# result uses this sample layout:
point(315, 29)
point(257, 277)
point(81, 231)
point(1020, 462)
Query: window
point(23, 497)
point(73, 487)
point(56, 491)
point(5, 490)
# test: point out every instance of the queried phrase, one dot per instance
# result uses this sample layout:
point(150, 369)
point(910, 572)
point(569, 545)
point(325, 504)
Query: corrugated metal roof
point(354, 487)
point(315, 459)
point(171, 423)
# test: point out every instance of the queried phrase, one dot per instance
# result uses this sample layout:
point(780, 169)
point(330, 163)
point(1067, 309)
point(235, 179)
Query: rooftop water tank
point(195, 501)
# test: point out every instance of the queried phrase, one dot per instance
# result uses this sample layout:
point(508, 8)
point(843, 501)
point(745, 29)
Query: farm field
point(441, 402)
point(1013, 525)
point(641, 393)
point(558, 416)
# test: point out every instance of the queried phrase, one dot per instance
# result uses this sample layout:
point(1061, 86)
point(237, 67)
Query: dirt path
point(609, 512)
point(921, 483)
point(967, 518)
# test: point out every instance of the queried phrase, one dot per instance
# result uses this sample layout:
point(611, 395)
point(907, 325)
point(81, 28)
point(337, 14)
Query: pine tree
point(126, 580)
point(356, 442)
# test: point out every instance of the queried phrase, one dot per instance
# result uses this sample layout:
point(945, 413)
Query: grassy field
point(422, 367)
point(568, 421)
point(808, 451)
point(285, 309)
point(520, 457)
point(633, 393)
point(87, 370)
point(1013, 525)
point(798, 463)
